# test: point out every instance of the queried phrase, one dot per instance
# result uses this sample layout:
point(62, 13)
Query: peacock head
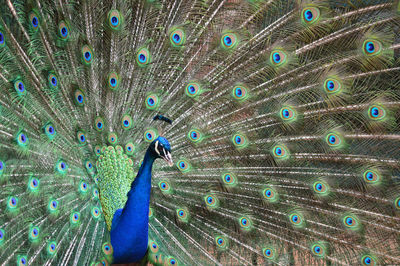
point(160, 148)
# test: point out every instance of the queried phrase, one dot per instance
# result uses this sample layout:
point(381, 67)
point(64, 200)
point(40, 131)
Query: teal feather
point(285, 132)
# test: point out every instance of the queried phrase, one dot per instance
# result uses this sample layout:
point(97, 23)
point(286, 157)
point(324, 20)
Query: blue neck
point(129, 234)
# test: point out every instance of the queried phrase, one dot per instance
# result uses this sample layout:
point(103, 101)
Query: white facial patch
point(156, 148)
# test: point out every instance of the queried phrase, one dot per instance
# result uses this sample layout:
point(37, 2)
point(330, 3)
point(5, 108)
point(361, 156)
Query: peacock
point(203, 132)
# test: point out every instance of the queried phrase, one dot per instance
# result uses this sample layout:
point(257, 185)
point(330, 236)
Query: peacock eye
point(152, 102)
point(229, 40)
point(172, 261)
point(333, 140)
point(368, 260)
point(112, 138)
point(245, 223)
point(296, 219)
point(61, 167)
point(287, 114)
point(81, 136)
point(22, 139)
point(153, 247)
point(376, 112)
point(310, 15)
point(12, 203)
point(270, 194)
point(192, 89)
point(114, 19)
point(49, 130)
point(63, 30)
point(52, 80)
point(211, 201)
point(239, 140)
point(195, 136)
point(221, 242)
point(143, 57)
point(113, 81)
point(183, 166)
point(107, 249)
point(164, 186)
point(332, 86)
point(34, 183)
point(280, 152)
point(34, 233)
point(126, 122)
point(351, 222)
point(87, 54)
point(20, 88)
point(278, 58)
point(34, 20)
point(371, 177)
point(150, 135)
point(79, 97)
point(95, 212)
point(372, 47)
point(321, 188)
point(182, 215)
point(240, 93)
point(319, 249)
point(269, 253)
point(74, 218)
point(177, 37)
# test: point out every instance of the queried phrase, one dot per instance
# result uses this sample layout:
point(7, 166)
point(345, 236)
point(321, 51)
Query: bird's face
point(162, 149)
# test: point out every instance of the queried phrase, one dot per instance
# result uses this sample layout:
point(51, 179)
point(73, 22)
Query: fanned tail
point(285, 129)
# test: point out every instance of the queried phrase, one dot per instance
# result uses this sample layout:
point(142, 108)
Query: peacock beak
point(166, 155)
point(168, 158)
